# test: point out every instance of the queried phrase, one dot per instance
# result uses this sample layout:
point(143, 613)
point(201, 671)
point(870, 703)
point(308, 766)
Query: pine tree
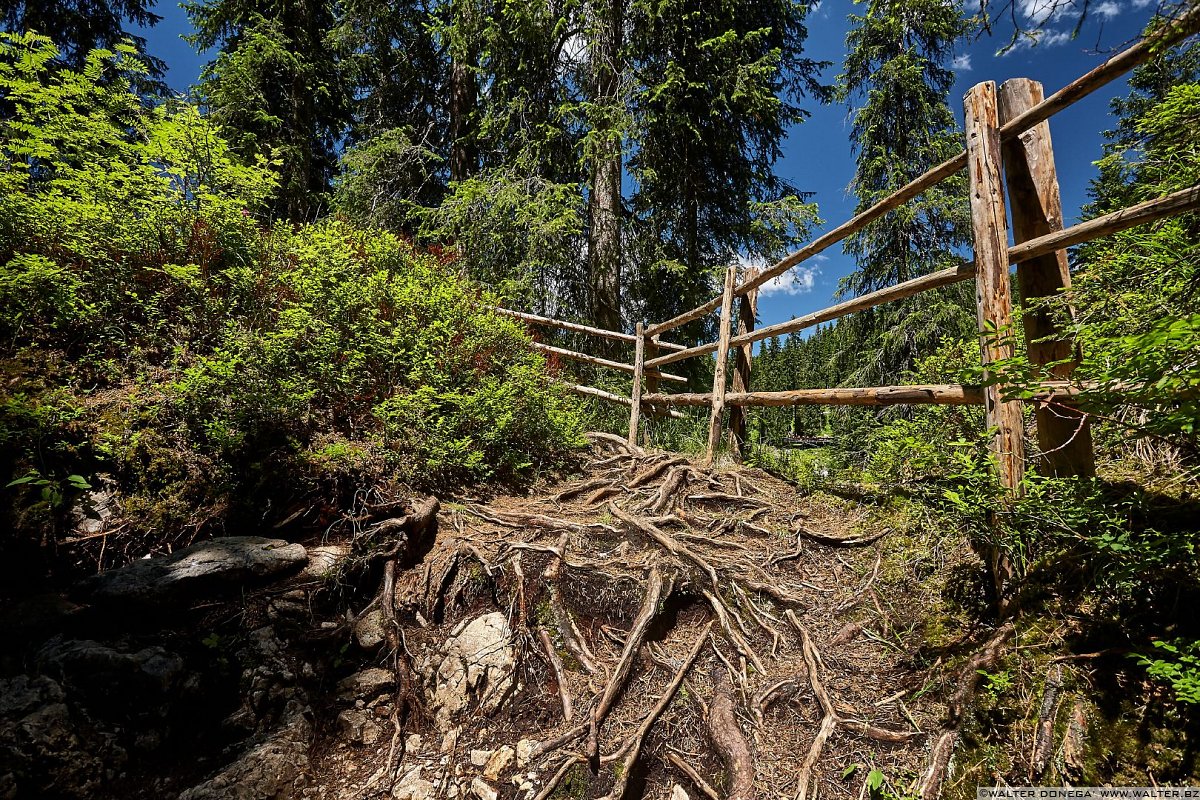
point(79, 26)
point(278, 84)
point(896, 69)
point(717, 84)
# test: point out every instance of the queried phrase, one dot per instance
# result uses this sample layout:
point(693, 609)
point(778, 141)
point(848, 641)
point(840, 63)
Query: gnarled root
point(728, 738)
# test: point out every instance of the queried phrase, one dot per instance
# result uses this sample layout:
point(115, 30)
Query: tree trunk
point(604, 236)
point(464, 157)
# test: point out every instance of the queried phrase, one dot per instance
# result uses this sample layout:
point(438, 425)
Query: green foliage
point(157, 331)
point(1177, 664)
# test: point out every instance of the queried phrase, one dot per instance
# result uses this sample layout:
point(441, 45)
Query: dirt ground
point(676, 629)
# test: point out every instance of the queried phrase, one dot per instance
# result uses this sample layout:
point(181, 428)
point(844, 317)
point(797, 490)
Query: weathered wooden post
point(1064, 435)
point(747, 313)
point(718, 390)
point(993, 295)
point(993, 298)
point(639, 367)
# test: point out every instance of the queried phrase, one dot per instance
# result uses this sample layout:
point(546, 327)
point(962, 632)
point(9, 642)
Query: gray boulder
point(475, 664)
point(206, 567)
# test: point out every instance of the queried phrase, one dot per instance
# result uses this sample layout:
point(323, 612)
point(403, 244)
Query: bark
point(604, 200)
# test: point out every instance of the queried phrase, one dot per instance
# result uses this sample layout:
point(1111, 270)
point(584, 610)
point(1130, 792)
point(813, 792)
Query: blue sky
point(817, 155)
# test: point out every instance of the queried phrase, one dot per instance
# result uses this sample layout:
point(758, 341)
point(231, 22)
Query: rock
point(525, 751)
point(413, 787)
point(475, 664)
point(226, 563)
point(350, 725)
point(412, 744)
point(97, 509)
point(677, 793)
point(480, 757)
point(369, 631)
point(498, 762)
point(367, 683)
point(274, 769)
point(481, 790)
point(102, 672)
point(325, 561)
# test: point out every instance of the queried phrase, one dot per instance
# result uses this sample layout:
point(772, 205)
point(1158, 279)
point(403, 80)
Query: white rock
point(498, 762)
point(525, 751)
point(677, 793)
point(477, 664)
point(412, 744)
point(369, 630)
point(480, 757)
point(413, 787)
point(482, 790)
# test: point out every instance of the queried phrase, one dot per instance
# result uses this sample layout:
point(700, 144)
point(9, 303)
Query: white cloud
point(1108, 9)
point(1038, 38)
point(962, 63)
point(800, 279)
point(1038, 11)
point(1143, 3)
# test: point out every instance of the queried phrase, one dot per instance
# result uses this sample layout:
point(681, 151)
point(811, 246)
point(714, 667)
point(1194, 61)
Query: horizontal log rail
point(603, 362)
point(671, 358)
point(576, 327)
point(1150, 211)
point(952, 394)
point(945, 277)
point(1073, 92)
point(600, 394)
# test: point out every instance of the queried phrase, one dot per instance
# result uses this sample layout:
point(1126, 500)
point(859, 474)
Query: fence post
point(747, 312)
point(639, 367)
point(993, 295)
point(993, 299)
point(718, 390)
point(1064, 435)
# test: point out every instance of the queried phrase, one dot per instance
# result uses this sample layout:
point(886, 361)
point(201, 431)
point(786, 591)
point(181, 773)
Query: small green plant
point(996, 684)
point(1177, 664)
point(54, 493)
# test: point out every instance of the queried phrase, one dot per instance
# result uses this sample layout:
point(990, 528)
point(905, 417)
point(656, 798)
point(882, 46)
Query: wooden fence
point(1007, 146)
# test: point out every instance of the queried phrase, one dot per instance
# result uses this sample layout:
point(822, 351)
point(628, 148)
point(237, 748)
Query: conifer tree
point(897, 79)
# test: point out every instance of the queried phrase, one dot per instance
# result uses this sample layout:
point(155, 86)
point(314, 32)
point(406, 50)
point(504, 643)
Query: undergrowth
point(211, 369)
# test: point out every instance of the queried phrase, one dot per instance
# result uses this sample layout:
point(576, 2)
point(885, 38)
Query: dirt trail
point(711, 629)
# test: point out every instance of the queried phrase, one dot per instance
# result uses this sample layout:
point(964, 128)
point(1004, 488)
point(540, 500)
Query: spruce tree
point(897, 80)
point(278, 83)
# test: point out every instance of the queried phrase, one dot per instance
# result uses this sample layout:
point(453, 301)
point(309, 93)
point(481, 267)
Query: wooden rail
point(1008, 150)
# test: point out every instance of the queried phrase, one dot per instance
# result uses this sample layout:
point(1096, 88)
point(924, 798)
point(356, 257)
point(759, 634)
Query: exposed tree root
point(849, 541)
point(615, 442)
point(930, 785)
point(633, 747)
point(728, 738)
point(556, 664)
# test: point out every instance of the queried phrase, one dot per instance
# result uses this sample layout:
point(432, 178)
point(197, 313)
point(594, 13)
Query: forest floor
point(638, 626)
point(711, 629)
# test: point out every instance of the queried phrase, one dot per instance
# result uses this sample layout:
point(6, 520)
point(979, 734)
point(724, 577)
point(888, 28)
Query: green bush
point(156, 329)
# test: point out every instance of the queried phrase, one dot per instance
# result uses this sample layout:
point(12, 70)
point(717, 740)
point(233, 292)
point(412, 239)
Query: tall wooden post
point(993, 295)
point(993, 300)
point(1064, 436)
point(639, 367)
point(718, 390)
point(747, 314)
